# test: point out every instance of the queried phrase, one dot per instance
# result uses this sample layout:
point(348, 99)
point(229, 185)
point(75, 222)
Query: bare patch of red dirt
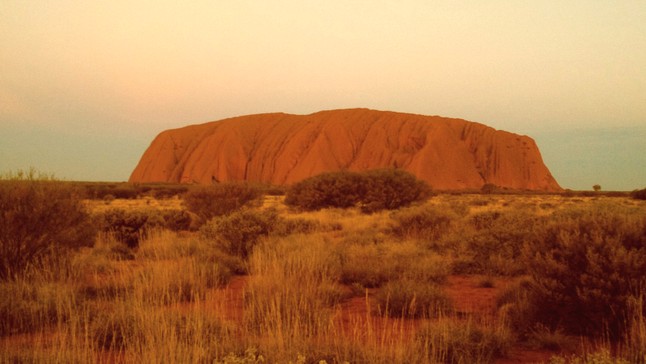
point(359, 321)
point(470, 294)
point(522, 355)
point(229, 301)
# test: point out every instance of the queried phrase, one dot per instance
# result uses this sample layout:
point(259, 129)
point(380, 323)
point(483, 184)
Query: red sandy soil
point(283, 149)
point(466, 292)
point(471, 298)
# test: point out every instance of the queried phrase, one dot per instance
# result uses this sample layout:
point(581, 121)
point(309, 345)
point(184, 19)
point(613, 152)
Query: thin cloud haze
point(85, 87)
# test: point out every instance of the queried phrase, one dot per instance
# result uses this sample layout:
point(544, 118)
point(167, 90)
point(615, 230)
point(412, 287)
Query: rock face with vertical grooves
point(450, 154)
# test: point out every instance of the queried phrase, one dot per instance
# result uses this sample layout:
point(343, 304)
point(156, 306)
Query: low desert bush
point(337, 189)
point(634, 340)
point(428, 223)
point(107, 199)
point(517, 307)
point(131, 226)
point(156, 335)
point(293, 288)
point(167, 245)
point(412, 298)
point(453, 341)
point(176, 220)
point(639, 194)
point(115, 329)
point(372, 265)
point(288, 226)
point(183, 280)
point(163, 244)
point(33, 305)
point(587, 266)
point(127, 227)
point(373, 190)
point(238, 232)
point(389, 189)
point(188, 259)
point(363, 265)
point(493, 241)
point(599, 356)
point(39, 215)
point(208, 202)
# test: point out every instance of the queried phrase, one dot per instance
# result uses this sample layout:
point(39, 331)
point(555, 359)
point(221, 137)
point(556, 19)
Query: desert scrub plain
point(447, 278)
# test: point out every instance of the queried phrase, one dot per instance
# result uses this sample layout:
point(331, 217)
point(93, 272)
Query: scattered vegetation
point(220, 199)
point(129, 227)
point(122, 190)
point(449, 341)
point(372, 191)
point(265, 283)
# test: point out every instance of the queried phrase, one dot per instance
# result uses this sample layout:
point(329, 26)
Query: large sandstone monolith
point(282, 149)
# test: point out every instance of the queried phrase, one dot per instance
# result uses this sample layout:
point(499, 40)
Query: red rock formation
point(283, 149)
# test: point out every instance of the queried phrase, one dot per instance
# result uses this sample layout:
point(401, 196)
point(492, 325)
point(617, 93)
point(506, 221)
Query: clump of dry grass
point(451, 341)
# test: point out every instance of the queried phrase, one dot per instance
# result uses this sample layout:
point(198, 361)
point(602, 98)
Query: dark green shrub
point(389, 189)
point(586, 267)
point(39, 215)
point(238, 232)
point(336, 189)
point(373, 190)
point(208, 202)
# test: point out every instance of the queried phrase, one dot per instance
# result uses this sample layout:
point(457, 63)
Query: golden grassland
point(351, 287)
point(141, 204)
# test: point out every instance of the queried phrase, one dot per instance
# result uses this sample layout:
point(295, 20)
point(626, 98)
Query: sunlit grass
point(349, 289)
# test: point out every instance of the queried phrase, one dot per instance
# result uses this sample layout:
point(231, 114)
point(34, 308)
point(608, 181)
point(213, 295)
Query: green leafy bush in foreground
point(237, 233)
point(586, 268)
point(372, 191)
point(38, 216)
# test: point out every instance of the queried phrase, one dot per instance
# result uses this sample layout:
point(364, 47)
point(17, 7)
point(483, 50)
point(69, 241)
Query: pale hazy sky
point(86, 85)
